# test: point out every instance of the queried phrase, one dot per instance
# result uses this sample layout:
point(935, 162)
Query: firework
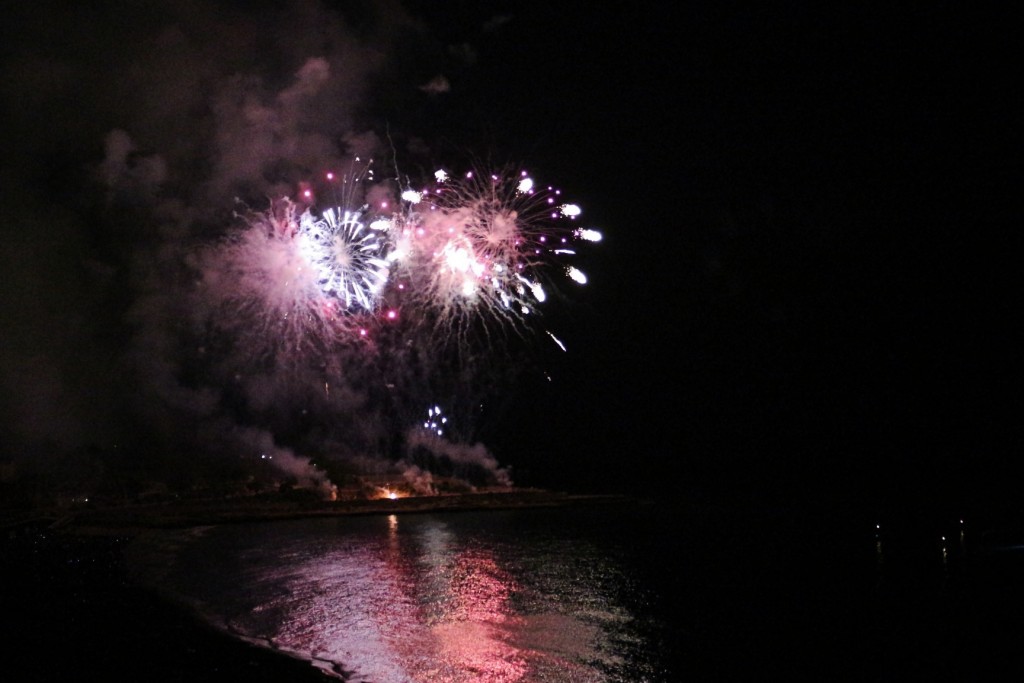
point(435, 421)
point(345, 255)
point(484, 248)
point(266, 285)
point(392, 293)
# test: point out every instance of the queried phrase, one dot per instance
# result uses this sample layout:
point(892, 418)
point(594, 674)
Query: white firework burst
point(347, 256)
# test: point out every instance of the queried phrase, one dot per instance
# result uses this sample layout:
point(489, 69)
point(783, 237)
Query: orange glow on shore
point(389, 494)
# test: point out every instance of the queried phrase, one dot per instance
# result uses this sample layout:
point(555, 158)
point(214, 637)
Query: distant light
point(571, 210)
point(412, 196)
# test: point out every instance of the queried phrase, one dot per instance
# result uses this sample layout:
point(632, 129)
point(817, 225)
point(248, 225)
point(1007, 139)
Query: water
point(605, 593)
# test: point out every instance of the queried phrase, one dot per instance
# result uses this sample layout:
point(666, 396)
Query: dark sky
point(811, 245)
point(811, 251)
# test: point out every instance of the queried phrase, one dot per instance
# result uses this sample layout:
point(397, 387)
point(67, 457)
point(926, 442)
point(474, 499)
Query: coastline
point(127, 519)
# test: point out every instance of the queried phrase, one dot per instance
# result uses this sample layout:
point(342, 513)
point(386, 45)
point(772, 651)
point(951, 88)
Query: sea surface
point(617, 593)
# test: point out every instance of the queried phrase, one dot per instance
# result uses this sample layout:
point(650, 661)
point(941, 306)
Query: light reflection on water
point(498, 597)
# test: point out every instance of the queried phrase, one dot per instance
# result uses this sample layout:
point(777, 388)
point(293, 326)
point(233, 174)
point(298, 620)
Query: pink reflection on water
point(463, 601)
point(469, 635)
point(419, 603)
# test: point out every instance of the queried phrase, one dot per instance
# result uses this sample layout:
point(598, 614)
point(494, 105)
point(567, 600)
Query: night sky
point(806, 288)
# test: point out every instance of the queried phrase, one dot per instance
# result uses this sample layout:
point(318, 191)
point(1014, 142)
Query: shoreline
point(125, 520)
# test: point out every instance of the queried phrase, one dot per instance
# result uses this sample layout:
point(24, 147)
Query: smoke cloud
point(138, 134)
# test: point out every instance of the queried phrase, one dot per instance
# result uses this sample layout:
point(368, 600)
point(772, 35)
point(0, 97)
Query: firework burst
point(346, 256)
point(409, 290)
point(484, 249)
point(260, 286)
point(478, 253)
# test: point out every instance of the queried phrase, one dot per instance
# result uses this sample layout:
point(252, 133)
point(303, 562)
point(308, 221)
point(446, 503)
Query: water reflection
point(462, 600)
point(419, 599)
